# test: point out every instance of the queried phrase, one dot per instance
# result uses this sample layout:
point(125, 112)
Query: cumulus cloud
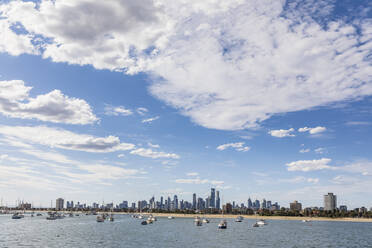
point(149, 120)
point(149, 153)
point(153, 145)
point(314, 130)
point(320, 150)
point(227, 65)
point(53, 107)
point(239, 146)
point(309, 165)
point(301, 179)
point(116, 111)
point(281, 133)
point(64, 139)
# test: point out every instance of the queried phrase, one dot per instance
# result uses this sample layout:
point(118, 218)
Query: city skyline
point(176, 97)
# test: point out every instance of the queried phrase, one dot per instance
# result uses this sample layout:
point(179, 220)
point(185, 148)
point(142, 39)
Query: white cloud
point(148, 153)
point(300, 179)
point(314, 130)
point(202, 56)
point(153, 145)
point(53, 107)
point(116, 111)
point(3, 156)
point(304, 150)
point(281, 133)
point(142, 110)
point(358, 123)
point(198, 181)
point(309, 165)
point(320, 150)
point(239, 146)
point(64, 139)
point(192, 174)
point(149, 120)
point(121, 155)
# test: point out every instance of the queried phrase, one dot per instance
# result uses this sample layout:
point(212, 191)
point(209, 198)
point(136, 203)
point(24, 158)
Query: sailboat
point(198, 221)
point(223, 223)
point(111, 218)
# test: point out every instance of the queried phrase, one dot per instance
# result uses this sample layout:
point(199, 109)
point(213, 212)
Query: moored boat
point(222, 224)
point(239, 219)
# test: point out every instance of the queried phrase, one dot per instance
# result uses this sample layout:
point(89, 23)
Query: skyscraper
point(330, 202)
point(213, 198)
point(218, 200)
point(194, 201)
point(175, 202)
point(59, 204)
point(250, 205)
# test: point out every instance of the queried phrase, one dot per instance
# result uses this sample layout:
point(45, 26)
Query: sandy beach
point(228, 216)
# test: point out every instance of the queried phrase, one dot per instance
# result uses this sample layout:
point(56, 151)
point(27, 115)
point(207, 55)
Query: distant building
point(218, 200)
point(212, 199)
point(343, 208)
point(330, 202)
point(227, 208)
point(25, 205)
point(250, 205)
point(60, 204)
point(194, 201)
point(295, 206)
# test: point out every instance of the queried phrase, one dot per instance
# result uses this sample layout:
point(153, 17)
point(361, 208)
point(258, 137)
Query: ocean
point(125, 231)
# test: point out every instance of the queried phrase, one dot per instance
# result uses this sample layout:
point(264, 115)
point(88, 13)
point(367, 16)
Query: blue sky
point(124, 100)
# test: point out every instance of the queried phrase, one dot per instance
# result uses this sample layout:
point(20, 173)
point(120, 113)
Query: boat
point(144, 222)
point(111, 218)
point(70, 215)
point(100, 219)
point(77, 214)
point(149, 220)
point(306, 220)
point(261, 222)
point(170, 217)
point(222, 224)
point(51, 216)
point(39, 214)
point(198, 221)
point(239, 219)
point(255, 225)
point(17, 216)
point(205, 221)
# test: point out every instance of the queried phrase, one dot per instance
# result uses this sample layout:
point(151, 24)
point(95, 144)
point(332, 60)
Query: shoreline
point(230, 216)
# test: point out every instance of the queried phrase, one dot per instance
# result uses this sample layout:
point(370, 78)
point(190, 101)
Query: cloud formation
point(310, 165)
point(149, 153)
point(239, 146)
point(54, 107)
point(149, 120)
point(198, 181)
point(116, 111)
point(312, 130)
point(281, 133)
point(64, 139)
point(202, 57)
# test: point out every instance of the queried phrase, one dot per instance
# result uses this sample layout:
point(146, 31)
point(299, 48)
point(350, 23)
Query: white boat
point(198, 221)
point(170, 217)
point(205, 221)
point(111, 218)
point(100, 219)
point(222, 224)
point(239, 219)
point(306, 220)
point(261, 222)
point(255, 225)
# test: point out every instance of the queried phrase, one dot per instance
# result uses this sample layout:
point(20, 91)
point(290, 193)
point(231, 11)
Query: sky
point(105, 101)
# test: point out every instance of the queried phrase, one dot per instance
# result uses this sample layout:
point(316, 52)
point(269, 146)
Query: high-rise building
point(330, 202)
point(218, 200)
point(194, 201)
point(250, 205)
point(59, 204)
point(212, 199)
point(207, 202)
point(263, 205)
point(175, 202)
point(295, 206)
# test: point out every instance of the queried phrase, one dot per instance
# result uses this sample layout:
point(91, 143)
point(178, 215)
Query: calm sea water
point(84, 231)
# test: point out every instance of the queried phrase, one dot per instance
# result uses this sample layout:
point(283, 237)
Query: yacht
point(51, 216)
point(222, 224)
point(144, 222)
point(17, 216)
point(255, 225)
point(205, 221)
point(170, 217)
point(239, 219)
point(198, 221)
point(39, 214)
point(261, 222)
point(306, 220)
point(111, 218)
point(100, 219)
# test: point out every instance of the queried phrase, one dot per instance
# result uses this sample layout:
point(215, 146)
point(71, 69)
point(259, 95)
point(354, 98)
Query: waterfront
point(84, 231)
